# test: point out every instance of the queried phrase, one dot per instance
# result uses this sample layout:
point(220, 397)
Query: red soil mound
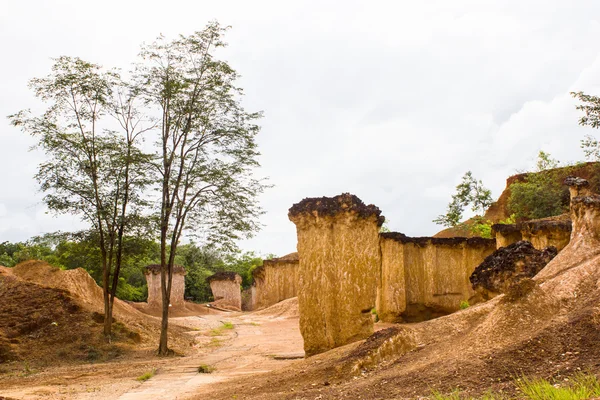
point(67, 308)
point(43, 325)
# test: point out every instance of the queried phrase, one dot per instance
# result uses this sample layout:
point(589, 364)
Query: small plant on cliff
point(375, 315)
point(464, 304)
point(469, 191)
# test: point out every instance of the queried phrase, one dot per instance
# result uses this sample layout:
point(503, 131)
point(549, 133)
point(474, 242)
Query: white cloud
point(392, 101)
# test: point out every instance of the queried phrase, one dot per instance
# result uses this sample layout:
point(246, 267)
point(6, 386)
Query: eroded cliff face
point(584, 246)
point(226, 290)
point(423, 278)
point(276, 280)
point(542, 233)
point(339, 268)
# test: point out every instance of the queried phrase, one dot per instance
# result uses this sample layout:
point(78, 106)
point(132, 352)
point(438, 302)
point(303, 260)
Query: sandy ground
point(257, 343)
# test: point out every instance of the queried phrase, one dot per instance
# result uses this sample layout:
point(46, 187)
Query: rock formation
point(275, 281)
point(338, 246)
point(152, 273)
point(422, 278)
point(225, 287)
point(584, 247)
point(509, 265)
point(542, 233)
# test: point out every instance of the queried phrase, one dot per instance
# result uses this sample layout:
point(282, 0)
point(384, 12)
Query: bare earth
point(258, 343)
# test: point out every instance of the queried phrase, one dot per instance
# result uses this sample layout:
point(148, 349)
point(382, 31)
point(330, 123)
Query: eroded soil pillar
point(339, 271)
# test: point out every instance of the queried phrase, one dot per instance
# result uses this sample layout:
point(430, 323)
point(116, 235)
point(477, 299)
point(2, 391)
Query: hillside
point(498, 211)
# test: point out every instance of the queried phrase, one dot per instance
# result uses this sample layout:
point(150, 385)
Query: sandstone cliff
point(338, 247)
point(423, 278)
point(276, 280)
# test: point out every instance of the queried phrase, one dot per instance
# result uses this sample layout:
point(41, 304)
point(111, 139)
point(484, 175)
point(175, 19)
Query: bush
point(541, 194)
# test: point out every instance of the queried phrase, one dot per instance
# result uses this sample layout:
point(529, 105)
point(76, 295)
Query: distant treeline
point(69, 251)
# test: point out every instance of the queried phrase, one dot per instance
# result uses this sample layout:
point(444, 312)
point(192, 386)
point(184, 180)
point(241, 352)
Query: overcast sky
point(389, 100)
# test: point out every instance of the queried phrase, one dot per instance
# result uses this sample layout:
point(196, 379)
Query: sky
point(390, 100)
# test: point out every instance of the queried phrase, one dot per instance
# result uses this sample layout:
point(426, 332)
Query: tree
point(469, 191)
point(591, 118)
point(207, 149)
point(91, 170)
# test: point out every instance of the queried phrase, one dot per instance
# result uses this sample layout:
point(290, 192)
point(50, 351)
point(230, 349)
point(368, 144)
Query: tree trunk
point(107, 305)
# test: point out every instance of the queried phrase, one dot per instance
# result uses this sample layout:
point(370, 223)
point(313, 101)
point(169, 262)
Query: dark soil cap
point(330, 206)
point(423, 241)
point(576, 181)
point(155, 269)
point(223, 276)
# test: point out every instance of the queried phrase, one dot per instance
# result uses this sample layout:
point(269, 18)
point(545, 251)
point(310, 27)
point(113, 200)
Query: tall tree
point(90, 170)
point(206, 150)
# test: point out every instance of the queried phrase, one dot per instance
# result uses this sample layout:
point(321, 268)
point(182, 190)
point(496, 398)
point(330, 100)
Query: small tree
point(469, 191)
point(206, 147)
point(90, 170)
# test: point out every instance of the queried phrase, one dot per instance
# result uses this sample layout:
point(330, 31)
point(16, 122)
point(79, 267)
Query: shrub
point(147, 375)
point(206, 369)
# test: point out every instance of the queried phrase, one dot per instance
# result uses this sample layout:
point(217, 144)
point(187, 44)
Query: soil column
point(339, 271)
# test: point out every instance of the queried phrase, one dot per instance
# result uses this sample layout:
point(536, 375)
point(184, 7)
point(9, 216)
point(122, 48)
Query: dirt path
point(255, 344)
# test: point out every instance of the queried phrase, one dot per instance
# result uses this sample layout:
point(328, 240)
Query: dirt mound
point(42, 325)
point(77, 282)
point(83, 289)
point(284, 309)
point(509, 265)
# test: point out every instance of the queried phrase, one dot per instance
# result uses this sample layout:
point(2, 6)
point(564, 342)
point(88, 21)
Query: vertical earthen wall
point(541, 233)
point(152, 274)
point(422, 278)
point(226, 290)
point(339, 269)
point(276, 280)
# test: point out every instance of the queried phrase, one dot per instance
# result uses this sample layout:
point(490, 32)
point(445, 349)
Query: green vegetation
point(219, 331)
point(579, 387)
point(540, 194)
point(469, 192)
point(147, 375)
point(70, 251)
point(464, 304)
point(206, 369)
point(375, 315)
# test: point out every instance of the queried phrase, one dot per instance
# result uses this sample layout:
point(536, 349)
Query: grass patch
point(227, 325)
point(214, 342)
point(218, 331)
point(578, 387)
point(206, 369)
point(147, 375)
